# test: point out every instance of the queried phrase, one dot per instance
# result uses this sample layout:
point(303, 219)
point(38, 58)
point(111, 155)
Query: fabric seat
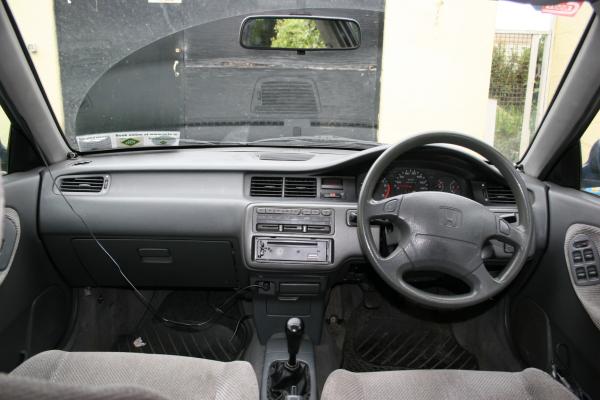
point(531, 384)
point(58, 374)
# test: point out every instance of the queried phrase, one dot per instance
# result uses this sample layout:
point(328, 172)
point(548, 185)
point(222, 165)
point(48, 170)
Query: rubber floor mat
point(224, 339)
point(387, 339)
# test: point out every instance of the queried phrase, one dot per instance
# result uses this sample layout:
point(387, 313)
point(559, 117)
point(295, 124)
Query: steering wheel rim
point(442, 231)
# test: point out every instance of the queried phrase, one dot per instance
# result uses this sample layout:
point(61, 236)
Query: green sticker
point(130, 142)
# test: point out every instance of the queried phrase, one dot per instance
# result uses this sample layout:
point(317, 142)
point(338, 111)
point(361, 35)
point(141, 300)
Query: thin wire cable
point(237, 326)
point(218, 311)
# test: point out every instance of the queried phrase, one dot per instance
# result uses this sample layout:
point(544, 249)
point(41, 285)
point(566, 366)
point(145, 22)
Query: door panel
point(35, 304)
point(574, 339)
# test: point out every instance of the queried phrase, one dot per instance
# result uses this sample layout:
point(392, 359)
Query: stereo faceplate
point(292, 250)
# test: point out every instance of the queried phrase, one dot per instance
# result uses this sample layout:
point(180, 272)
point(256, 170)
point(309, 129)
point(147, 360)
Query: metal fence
point(517, 88)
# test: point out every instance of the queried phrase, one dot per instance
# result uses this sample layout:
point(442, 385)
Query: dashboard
point(216, 216)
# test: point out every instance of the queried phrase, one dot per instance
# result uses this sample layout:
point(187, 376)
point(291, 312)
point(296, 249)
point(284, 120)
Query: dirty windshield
point(159, 73)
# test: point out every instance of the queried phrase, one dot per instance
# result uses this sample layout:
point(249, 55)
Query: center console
point(305, 237)
point(290, 249)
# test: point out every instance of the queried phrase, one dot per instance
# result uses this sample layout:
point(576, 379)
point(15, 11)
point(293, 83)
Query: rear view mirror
point(299, 33)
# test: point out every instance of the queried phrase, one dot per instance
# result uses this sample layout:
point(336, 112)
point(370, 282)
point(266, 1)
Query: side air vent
point(266, 186)
point(300, 187)
point(496, 194)
point(83, 184)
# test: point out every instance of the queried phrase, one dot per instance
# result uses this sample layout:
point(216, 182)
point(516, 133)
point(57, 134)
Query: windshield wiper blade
point(324, 141)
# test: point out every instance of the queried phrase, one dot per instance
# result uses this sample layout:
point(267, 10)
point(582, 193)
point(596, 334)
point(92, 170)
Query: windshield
point(161, 73)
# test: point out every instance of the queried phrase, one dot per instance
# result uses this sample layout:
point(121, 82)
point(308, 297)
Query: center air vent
point(278, 186)
point(266, 186)
point(285, 96)
point(496, 194)
point(300, 187)
point(83, 184)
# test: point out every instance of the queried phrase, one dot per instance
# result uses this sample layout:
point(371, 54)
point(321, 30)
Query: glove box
point(164, 263)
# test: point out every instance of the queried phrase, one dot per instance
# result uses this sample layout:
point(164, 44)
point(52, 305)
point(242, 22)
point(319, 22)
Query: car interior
point(204, 227)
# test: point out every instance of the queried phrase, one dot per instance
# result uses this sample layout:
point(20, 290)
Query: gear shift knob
point(294, 329)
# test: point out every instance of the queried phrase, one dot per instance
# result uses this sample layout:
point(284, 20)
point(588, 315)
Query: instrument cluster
point(402, 180)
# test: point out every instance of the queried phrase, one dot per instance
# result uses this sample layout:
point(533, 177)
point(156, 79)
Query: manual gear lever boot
point(290, 379)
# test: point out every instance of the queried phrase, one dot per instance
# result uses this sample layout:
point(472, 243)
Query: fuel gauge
point(384, 189)
point(448, 184)
point(455, 187)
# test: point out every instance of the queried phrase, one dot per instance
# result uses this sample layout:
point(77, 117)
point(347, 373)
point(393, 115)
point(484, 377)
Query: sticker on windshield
point(126, 140)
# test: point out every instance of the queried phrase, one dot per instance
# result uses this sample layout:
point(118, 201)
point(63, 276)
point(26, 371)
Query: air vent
point(266, 186)
point(285, 96)
point(496, 194)
point(300, 187)
point(83, 184)
point(285, 156)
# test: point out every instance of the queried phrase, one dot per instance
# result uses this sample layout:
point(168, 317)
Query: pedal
point(372, 300)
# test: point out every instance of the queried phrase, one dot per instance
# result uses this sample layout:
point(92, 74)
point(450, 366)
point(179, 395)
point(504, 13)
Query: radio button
point(326, 212)
point(292, 228)
point(267, 227)
point(318, 229)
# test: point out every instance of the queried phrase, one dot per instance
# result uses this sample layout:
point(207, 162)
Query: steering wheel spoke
point(387, 208)
point(515, 235)
point(481, 282)
point(396, 263)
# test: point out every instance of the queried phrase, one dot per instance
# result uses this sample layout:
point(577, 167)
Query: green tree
point(508, 85)
point(297, 33)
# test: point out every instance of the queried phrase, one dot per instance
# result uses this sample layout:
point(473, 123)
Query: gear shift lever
point(294, 329)
point(290, 379)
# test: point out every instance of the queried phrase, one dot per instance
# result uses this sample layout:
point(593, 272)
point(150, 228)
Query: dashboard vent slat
point(279, 186)
point(265, 186)
point(83, 184)
point(495, 194)
point(300, 187)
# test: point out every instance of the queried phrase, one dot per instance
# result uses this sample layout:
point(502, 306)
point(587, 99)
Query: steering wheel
point(444, 232)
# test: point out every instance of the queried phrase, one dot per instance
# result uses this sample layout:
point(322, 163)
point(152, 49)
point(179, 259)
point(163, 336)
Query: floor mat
point(224, 339)
point(387, 339)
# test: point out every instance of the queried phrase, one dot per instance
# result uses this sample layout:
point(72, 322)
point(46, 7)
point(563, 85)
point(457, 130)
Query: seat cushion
point(531, 384)
point(21, 388)
point(172, 377)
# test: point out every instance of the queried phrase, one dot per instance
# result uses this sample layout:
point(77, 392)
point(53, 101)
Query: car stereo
point(269, 249)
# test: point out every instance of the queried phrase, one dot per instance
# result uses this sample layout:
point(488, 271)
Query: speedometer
point(410, 180)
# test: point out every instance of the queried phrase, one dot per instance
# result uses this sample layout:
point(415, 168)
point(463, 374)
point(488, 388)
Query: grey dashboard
point(197, 217)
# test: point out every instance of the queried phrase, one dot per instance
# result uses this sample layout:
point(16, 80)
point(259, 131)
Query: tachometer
point(410, 180)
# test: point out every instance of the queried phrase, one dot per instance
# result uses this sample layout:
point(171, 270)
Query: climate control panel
point(290, 220)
